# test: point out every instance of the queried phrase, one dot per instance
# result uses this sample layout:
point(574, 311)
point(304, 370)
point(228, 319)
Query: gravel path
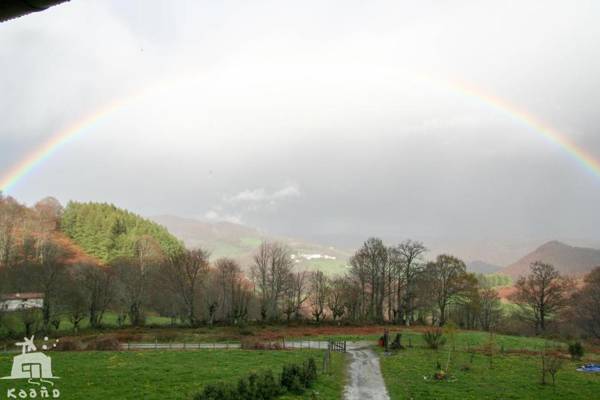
point(365, 381)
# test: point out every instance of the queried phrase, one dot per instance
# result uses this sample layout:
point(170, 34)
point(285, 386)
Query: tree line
point(383, 284)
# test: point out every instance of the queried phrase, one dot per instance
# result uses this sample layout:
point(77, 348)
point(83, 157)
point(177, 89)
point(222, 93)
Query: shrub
point(434, 338)
point(576, 350)
point(294, 378)
point(246, 331)
point(104, 344)
point(69, 345)
point(310, 372)
point(217, 391)
point(166, 336)
point(268, 387)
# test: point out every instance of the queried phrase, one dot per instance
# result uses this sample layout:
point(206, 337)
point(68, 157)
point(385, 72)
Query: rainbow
point(60, 139)
point(578, 153)
point(52, 145)
point(69, 133)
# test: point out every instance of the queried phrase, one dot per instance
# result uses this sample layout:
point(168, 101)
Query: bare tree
point(183, 274)
point(541, 294)
point(335, 300)
point(319, 293)
point(371, 265)
point(272, 266)
point(586, 305)
point(408, 264)
point(134, 277)
point(11, 218)
point(446, 279)
point(360, 277)
point(98, 286)
point(49, 211)
point(352, 298)
point(232, 291)
point(74, 299)
point(50, 272)
point(490, 308)
point(30, 318)
point(296, 294)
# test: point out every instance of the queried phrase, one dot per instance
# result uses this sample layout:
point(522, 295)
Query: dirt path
point(365, 381)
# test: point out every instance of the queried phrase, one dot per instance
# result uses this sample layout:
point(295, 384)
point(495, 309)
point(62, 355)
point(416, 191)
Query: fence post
point(155, 343)
point(184, 345)
point(128, 345)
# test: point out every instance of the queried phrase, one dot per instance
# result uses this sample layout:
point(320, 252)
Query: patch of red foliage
point(73, 253)
point(505, 292)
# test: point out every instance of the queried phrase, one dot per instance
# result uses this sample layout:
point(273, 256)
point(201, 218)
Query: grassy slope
point(514, 376)
point(169, 375)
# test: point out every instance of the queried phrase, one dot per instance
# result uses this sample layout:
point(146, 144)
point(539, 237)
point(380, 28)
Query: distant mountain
point(226, 239)
point(567, 259)
point(482, 267)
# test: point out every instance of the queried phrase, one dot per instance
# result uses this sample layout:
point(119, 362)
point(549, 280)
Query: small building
point(21, 301)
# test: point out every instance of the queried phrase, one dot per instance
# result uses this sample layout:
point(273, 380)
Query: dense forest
point(108, 233)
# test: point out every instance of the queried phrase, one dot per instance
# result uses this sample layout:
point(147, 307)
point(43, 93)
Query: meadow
point(514, 372)
point(174, 375)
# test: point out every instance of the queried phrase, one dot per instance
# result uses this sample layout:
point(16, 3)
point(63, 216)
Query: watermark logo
point(36, 368)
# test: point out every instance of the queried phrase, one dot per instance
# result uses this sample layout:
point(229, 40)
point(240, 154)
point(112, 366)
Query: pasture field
point(514, 374)
point(174, 375)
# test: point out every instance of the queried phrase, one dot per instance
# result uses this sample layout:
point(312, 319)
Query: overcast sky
point(330, 121)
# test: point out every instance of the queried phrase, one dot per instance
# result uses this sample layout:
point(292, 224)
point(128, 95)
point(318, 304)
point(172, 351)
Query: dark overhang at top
point(10, 9)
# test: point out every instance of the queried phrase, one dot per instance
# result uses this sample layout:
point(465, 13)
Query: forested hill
point(107, 232)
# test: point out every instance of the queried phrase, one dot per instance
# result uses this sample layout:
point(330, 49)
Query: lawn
point(328, 267)
point(464, 339)
point(169, 375)
point(409, 373)
point(12, 321)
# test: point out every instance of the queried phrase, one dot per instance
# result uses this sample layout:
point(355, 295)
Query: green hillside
point(107, 232)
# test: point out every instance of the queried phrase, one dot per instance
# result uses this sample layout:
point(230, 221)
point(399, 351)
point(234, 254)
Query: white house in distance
point(21, 301)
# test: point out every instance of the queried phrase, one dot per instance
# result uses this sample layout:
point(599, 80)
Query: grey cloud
point(316, 119)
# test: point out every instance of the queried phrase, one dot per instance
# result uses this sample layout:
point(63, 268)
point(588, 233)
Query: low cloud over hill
point(227, 239)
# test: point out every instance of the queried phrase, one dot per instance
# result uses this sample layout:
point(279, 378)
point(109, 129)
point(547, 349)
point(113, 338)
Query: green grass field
point(409, 373)
point(328, 267)
point(13, 322)
point(463, 339)
point(169, 375)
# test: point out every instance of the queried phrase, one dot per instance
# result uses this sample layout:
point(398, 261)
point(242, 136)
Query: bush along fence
point(294, 378)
